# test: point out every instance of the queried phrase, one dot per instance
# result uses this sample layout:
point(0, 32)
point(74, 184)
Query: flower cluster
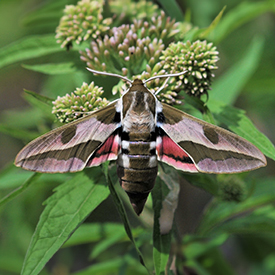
point(129, 49)
point(147, 47)
point(232, 188)
point(198, 59)
point(80, 102)
point(81, 21)
point(129, 10)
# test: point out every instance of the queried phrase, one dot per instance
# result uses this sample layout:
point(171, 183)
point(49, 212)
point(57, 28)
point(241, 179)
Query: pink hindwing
point(108, 151)
point(171, 153)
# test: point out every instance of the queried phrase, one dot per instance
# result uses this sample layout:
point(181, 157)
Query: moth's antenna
point(110, 74)
point(163, 86)
point(164, 75)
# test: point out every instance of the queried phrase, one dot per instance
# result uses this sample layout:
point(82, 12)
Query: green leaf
point(204, 256)
point(21, 119)
point(106, 267)
point(236, 120)
point(42, 103)
point(20, 189)
point(161, 242)
point(114, 266)
point(105, 234)
point(227, 87)
point(48, 14)
point(107, 242)
point(195, 247)
point(12, 177)
point(260, 220)
point(205, 181)
point(196, 33)
point(93, 232)
point(53, 69)
point(198, 104)
point(29, 47)
point(197, 267)
point(173, 9)
point(17, 133)
point(219, 212)
point(205, 32)
point(72, 202)
point(41, 98)
point(243, 13)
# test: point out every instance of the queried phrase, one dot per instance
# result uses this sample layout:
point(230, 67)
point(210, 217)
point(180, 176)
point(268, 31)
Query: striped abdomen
point(137, 168)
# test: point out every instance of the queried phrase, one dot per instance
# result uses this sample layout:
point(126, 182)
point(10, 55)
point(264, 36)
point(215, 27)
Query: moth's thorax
point(138, 109)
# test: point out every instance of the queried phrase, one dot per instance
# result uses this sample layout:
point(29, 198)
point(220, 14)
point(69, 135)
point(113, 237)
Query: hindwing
point(211, 148)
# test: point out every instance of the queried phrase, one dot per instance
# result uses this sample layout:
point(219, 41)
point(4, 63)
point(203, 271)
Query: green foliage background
point(210, 236)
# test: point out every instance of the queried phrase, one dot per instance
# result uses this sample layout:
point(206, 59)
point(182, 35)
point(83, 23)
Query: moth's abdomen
point(137, 168)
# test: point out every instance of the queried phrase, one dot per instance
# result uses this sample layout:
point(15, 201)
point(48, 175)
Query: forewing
point(211, 148)
point(69, 147)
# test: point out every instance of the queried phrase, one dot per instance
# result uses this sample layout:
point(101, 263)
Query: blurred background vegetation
point(247, 249)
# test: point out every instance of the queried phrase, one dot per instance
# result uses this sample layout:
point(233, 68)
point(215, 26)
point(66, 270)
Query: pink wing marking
point(169, 152)
point(108, 151)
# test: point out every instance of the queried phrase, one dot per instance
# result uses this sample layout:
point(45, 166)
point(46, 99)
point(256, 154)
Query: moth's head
point(137, 82)
point(138, 85)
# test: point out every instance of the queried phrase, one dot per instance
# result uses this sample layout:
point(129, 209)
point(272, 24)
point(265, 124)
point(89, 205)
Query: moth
point(138, 131)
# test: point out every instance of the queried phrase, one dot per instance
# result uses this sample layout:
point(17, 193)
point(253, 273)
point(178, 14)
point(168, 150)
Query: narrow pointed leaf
point(94, 232)
point(228, 86)
point(236, 120)
point(45, 14)
point(114, 266)
point(53, 69)
point(173, 9)
point(17, 133)
point(205, 32)
point(20, 189)
point(243, 13)
point(122, 213)
point(260, 220)
point(28, 47)
point(41, 98)
point(161, 242)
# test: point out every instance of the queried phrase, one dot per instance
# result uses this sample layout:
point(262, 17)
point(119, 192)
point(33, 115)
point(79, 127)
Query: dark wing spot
point(68, 134)
point(211, 134)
